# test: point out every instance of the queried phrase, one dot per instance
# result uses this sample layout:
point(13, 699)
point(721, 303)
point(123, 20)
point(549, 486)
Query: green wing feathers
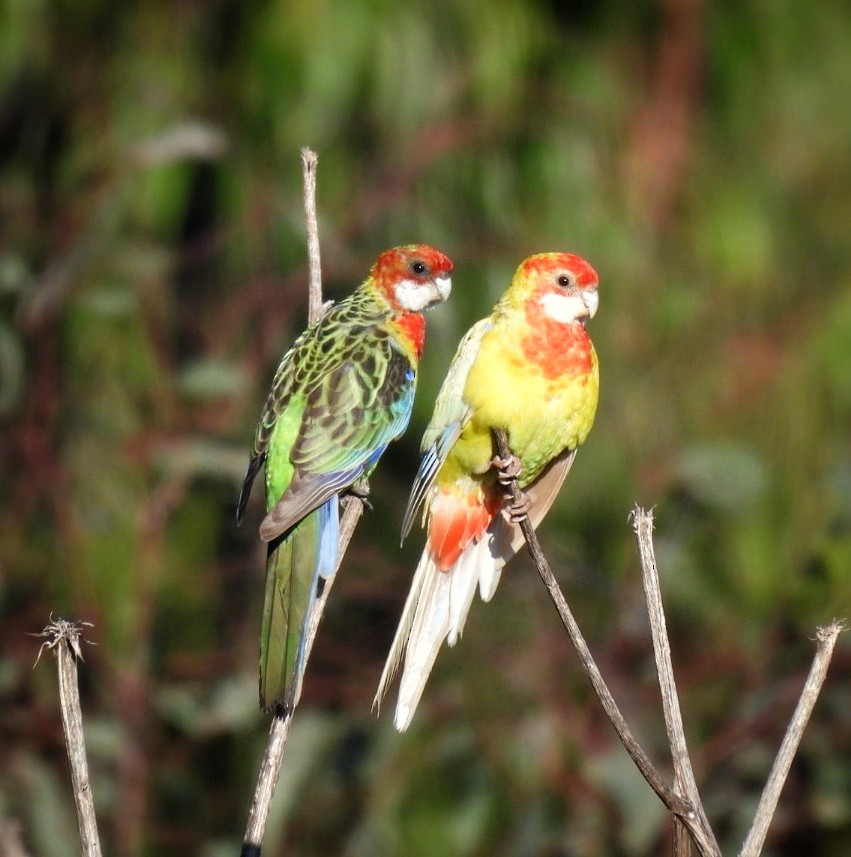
point(340, 395)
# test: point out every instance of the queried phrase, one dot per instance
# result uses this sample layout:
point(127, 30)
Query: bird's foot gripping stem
point(360, 489)
point(507, 471)
point(518, 508)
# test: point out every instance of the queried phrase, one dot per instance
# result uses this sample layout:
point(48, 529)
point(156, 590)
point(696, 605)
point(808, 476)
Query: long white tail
point(438, 603)
point(436, 610)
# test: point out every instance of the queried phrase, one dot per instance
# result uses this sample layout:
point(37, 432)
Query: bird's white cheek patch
point(563, 308)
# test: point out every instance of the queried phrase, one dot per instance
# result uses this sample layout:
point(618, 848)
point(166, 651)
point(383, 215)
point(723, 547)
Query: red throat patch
point(412, 327)
point(556, 348)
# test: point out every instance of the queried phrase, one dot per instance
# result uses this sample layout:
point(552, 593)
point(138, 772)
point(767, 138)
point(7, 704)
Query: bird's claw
point(507, 469)
point(517, 503)
point(518, 508)
point(360, 489)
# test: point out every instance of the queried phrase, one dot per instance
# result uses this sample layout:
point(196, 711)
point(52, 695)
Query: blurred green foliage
point(152, 270)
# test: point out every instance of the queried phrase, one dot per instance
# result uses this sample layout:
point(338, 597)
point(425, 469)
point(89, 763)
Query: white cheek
point(413, 296)
point(563, 308)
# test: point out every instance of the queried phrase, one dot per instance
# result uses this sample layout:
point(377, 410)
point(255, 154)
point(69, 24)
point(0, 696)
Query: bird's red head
point(563, 284)
point(413, 277)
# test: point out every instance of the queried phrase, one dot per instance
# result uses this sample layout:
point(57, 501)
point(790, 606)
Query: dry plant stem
point(681, 841)
point(309, 163)
point(279, 730)
point(267, 779)
point(676, 804)
point(64, 638)
point(684, 782)
point(826, 640)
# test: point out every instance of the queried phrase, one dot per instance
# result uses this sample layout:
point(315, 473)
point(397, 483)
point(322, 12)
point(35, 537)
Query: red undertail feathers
point(457, 520)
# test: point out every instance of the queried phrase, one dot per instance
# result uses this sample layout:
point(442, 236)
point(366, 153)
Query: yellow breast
point(544, 398)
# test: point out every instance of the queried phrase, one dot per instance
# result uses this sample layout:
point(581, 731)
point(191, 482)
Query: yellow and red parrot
point(530, 369)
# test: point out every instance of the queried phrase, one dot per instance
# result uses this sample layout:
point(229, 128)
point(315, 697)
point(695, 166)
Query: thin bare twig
point(63, 638)
point(685, 784)
point(309, 163)
point(273, 756)
point(826, 640)
point(264, 791)
point(680, 806)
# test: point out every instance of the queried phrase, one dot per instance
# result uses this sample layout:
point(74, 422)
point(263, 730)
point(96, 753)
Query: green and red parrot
point(530, 369)
point(340, 395)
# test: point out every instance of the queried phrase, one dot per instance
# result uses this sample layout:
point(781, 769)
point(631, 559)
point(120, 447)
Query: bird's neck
point(411, 328)
point(557, 348)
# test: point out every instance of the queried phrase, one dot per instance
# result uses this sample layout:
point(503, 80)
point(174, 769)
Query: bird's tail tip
point(404, 715)
point(375, 708)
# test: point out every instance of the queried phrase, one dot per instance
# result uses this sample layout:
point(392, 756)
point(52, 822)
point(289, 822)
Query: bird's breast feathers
point(540, 384)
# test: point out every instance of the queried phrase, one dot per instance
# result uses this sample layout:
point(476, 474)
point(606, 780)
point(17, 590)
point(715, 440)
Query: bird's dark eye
point(563, 280)
point(418, 267)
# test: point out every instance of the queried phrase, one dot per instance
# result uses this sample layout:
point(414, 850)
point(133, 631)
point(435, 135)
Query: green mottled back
point(340, 395)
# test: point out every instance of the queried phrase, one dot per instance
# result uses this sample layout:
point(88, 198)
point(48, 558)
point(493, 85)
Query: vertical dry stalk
point(273, 756)
point(685, 784)
point(826, 639)
point(309, 163)
point(264, 791)
point(63, 638)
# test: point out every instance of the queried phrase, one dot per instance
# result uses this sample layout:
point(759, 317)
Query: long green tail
point(295, 566)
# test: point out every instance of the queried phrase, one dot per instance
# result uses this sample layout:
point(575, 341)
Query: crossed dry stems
point(682, 797)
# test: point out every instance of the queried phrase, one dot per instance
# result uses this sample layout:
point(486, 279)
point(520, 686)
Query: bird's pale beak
point(591, 299)
point(444, 286)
